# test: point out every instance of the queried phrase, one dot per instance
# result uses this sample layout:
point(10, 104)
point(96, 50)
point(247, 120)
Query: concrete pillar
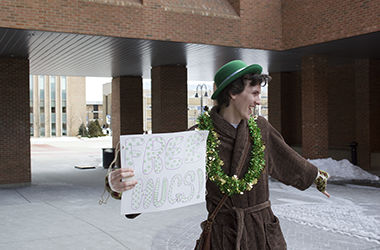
point(76, 104)
point(14, 121)
point(314, 107)
point(169, 98)
point(274, 101)
point(127, 107)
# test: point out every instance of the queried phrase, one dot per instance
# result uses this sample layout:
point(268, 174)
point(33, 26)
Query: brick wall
point(314, 107)
point(246, 23)
point(14, 122)
point(260, 24)
point(352, 98)
point(169, 98)
point(231, 23)
point(306, 22)
point(291, 108)
point(341, 105)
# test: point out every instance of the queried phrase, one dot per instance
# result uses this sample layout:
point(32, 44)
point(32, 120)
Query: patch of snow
point(351, 220)
point(343, 170)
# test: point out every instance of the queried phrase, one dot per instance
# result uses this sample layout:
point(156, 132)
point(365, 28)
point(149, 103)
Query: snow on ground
point(343, 170)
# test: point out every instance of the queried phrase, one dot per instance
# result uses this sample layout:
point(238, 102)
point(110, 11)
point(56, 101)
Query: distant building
point(94, 111)
point(193, 107)
point(147, 109)
point(57, 105)
point(107, 97)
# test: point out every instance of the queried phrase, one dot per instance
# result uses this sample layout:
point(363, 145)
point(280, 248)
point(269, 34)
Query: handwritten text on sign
point(169, 168)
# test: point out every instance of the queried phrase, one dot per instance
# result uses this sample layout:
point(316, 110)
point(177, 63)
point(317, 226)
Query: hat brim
point(250, 69)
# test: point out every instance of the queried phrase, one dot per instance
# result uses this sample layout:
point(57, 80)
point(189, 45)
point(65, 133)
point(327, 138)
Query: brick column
point(14, 121)
point(127, 107)
point(291, 111)
point(374, 91)
point(314, 107)
point(169, 98)
point(362, 112)
point(274, 101)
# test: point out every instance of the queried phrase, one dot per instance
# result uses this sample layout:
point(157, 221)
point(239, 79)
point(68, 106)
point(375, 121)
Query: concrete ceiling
point(53, 53)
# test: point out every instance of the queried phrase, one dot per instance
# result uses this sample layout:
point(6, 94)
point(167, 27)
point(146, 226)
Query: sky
point(94, 87)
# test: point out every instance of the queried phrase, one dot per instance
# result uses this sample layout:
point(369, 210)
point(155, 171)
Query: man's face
point(244, 102)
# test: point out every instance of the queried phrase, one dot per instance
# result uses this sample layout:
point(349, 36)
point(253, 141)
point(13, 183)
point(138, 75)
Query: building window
point(64, 129)
point(96, 107)
point(41, 89)
point(52, 105)
point(64, 104)
point(31, 105)
point(53, 130)
point(31, 124)
point(64, 124)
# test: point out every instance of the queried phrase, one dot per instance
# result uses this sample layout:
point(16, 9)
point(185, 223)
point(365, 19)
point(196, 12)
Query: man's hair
point(237, 86)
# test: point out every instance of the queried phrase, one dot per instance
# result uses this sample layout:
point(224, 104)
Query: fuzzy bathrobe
point(247, 221)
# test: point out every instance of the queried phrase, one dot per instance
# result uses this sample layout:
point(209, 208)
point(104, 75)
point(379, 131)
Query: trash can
point(354, 153)
point(108, 156)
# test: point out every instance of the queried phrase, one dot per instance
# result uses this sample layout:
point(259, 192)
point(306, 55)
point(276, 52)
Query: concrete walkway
point(60, 210)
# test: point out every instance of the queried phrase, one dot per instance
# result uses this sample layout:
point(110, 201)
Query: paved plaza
point(60, 209)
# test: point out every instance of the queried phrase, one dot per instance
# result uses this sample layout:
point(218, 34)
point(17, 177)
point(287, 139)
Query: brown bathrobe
point(247, 221)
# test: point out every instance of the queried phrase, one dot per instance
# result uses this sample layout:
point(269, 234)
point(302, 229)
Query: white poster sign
point(169, 168)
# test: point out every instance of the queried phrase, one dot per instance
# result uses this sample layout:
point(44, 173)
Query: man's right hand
point(121, 179)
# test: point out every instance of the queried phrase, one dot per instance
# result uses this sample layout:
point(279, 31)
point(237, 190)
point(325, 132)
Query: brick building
point(323, 56)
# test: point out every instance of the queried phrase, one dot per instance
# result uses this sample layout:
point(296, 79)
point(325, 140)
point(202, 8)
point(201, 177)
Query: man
point(242, 152)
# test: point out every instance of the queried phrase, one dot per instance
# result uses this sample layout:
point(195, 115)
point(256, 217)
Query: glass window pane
point(53, 132)
point(41, 87)
point(52, 90)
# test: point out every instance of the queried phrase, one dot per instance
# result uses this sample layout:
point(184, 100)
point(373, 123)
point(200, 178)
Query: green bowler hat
point(231, 71)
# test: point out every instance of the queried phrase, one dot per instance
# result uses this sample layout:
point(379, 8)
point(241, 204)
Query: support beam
point(169, 98)
point(274, 101)
point(14, 121)
point(127, 107)
point(314, 107)
point(362, 112)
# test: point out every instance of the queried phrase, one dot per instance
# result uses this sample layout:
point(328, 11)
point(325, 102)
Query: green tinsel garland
point(227, 184)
